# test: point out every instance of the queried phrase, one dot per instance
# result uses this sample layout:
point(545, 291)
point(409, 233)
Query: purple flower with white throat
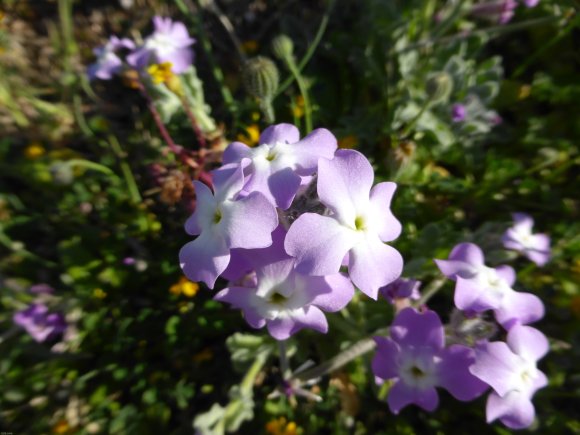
point(281, 162)
point(224, 220)
point(108, 62)
point(535, 247)
point(170, 42)
point(416, 358)
point(479, 288)
point(510, 369)
point(360, 220)
point(39, 323)
point(284, 300)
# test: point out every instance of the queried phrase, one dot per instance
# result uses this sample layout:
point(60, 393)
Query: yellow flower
point(34, 150)
point(61, 427)
point(250, 46)
point(279, 426)
point(160, 72)
point(99, 293)
point(298, 107)
point(348, 142)
point(185, 287)
point(524, 92)
point(251, 137)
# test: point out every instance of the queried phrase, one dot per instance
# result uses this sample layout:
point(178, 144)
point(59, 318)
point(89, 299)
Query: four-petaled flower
point(360, 220)
point(416, 358)
point(169, 42)
point(510, 369)
point(224, 220)
point(479, 288)
point(281, 162)
point(536, 247)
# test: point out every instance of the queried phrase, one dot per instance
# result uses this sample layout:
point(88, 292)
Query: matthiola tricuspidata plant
point(294, 225)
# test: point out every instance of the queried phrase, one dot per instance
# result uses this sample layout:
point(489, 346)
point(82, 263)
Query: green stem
point(311, 49)
point(303, 91)
point(414, 121)
point(430, 291)
point(284, 365)
point(125, 169)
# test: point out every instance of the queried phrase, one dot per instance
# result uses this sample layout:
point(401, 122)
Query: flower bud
point(282, 47)
point(439, 87)
point(261, 78)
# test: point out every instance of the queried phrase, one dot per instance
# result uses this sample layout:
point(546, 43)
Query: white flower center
point(489, 278)
point(160, 43)
point(418, 371)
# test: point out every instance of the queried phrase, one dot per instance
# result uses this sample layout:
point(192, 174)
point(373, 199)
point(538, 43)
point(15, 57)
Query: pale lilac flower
point(479, 288)
point(39, 323)
point(129, 261)
point(531, 3)
point(500, 11)
point(281, 162)
point(224, 220)
point(41, 289)
point(360, 221)
point(169, 42)
point(400, 289)
point(284, 300)
point(108, 63)
point(416, 358)
point(510, 369)
point(536, 247)
point(458, 112)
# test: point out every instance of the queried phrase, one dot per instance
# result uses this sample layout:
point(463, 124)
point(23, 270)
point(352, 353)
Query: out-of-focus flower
point(160, 72)
point(34, 150)
point(281, 426)
point(479, 288)
point(416, 358)
point(400, 289)
point(170, 42)
point(41, 289)
point(500, 11)
point(184, 287)
point(458, 112)
point(298, 107)
point(61, 427)
point(359, 222)
point(348, 142)
point(99, 293)
point(284, 300)
point(108, 63)
point(250, 46)
point(225, 220)
point(510, 369)
point(39, 323)
point(251, 135)
point(536, 247)
point(531, 3)
point(279, 165)
point(129, 261)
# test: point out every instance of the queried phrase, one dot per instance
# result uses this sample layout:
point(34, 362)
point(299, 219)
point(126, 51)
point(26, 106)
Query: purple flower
point(169, 42)
point(501, 11)
point(510, 369)
point(41, 289)
point(108, 63)
point(531, 3)
point(479, 288)
point(360, 221)
point(284, 300)
point(282, 162)
point(39, 323)
point(224, 220)
point(400, 289)
point(458, 112)
point(536, 247)
point(129, 261)
point(416, 358)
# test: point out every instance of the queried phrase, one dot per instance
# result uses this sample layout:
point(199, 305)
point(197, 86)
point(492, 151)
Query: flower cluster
point(282, 219)
point(169, 44)
point(40, 324)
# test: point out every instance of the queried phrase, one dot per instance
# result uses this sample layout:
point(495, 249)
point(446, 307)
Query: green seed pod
point(282, 47)
point(439, 87)
point(261, 78)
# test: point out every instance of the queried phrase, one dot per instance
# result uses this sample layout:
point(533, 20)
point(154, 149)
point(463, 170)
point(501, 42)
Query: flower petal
point(381, 196)
point(414, 329)
point(373, 264)
point(205, 258)
point(469, 253)
point(283, 186)
point(402, 395)
point(528, 342)
point(515, 410)
point(454, 374)
point(519, 307)
point(333, 292)
point(495, 364)
point(453, 269)
point(319, 244)
point(235, 152)
point(285, 133)
point(507, 273)
point(470, 295)
point(311, 317)
point(319, 143)
point(344, 184)
point(205, 205)
point(385, 362)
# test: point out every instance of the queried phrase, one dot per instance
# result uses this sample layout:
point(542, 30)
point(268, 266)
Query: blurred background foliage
point(92, 203)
